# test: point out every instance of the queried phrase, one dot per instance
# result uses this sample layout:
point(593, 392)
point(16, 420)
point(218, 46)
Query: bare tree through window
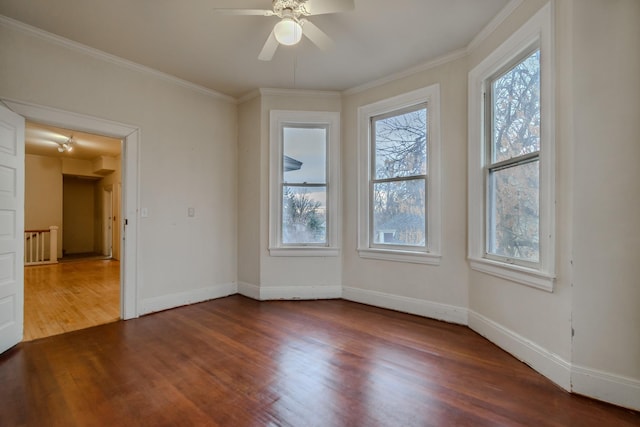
point(400, 177)
point(513, 166)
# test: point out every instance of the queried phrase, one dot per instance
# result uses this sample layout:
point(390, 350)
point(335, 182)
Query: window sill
point(400, 256)
point(305, 251)
point(515, 273)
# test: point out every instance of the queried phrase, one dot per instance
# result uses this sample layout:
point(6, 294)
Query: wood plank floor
point(69, 296)
point(238, 362)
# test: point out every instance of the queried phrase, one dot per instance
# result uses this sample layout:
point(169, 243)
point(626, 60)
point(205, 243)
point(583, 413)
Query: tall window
point(304, 187)
point(399, 178)
point(513, 163)
point(511, 158)
point(399, 206)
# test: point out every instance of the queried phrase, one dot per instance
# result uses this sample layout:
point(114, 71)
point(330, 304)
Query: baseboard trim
point(433, 310)
point(616, 389)
point(248, 290)
point(265, 293)
point(543, 361)
point(165, 302)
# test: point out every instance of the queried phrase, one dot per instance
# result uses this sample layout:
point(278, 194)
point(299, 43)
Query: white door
point(11, 228)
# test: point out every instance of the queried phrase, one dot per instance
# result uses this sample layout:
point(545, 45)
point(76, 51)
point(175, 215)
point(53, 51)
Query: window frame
point(491, 166)
point(535, 34)
point(279, 119)
point(430, 253)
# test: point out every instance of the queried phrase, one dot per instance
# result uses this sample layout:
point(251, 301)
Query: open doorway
point(72, 187)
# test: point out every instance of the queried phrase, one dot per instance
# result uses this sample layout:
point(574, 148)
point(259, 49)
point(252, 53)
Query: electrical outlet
point(144, 212)
point(191, 212)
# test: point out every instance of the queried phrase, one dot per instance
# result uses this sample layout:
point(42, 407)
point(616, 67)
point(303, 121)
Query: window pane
point(516, 110)
point(305, 155)
point(304, 215)
point(401, 145)
point(399, 213)
point(514, 215)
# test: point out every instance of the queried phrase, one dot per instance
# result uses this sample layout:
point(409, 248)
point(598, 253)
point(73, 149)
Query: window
point(399, 178)
point(512, 106)
point(303, 183)
point(399, 182)
point(511, 161)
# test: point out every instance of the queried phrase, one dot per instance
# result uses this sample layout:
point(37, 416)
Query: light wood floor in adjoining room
point(66, 297)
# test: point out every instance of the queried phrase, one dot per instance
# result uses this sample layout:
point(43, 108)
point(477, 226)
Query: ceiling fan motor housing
point(290, 8)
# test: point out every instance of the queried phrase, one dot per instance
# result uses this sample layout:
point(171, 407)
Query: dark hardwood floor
point(238, 362)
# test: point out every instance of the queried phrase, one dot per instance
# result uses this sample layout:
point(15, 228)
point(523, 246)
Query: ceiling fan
point(293, 23)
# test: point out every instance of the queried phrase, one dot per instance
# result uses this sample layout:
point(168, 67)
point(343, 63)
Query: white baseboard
point(264, 293)
point(165, 302)
point(248, 290)
point(548, 364)
point(432, 310)
point(621, 391)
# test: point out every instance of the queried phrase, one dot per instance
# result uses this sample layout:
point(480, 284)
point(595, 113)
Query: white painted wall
point(438, 291)
point(525, 317)
point(606, 198)
point(249, 188)
point(187, 158)
point(597, 291)
point(277, 277)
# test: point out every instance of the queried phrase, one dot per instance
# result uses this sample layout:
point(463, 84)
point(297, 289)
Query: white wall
point(606, 197)
point(187, 158)
point(597, 294)
point(278, 277)
point(249, 189)
point(436, 291)
point(531, 323)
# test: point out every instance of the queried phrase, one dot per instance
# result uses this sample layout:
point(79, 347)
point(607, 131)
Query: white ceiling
point(188, 40)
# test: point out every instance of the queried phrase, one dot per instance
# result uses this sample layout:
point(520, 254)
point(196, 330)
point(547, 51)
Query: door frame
point(130, 135)
point(107, 220)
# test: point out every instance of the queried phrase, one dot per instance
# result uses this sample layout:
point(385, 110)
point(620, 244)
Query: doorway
point(128, 223)
point(69, 181)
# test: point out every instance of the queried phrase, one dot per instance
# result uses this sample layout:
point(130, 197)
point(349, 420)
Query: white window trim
point(278, 118)
point(538, 29)
point(430, 255)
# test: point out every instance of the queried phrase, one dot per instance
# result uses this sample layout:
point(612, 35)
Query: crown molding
point(451, 56)
point(116, 60)
point(249, 96)
point(299, 92)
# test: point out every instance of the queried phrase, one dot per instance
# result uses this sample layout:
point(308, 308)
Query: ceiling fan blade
point(320, 7)
point(316, 35)
point(269, 48)
point(254, 12)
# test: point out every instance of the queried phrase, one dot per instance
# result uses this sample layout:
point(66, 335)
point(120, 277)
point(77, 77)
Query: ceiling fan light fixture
point(288, 32)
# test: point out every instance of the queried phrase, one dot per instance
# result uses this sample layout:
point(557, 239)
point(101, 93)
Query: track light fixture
point(66, 146)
